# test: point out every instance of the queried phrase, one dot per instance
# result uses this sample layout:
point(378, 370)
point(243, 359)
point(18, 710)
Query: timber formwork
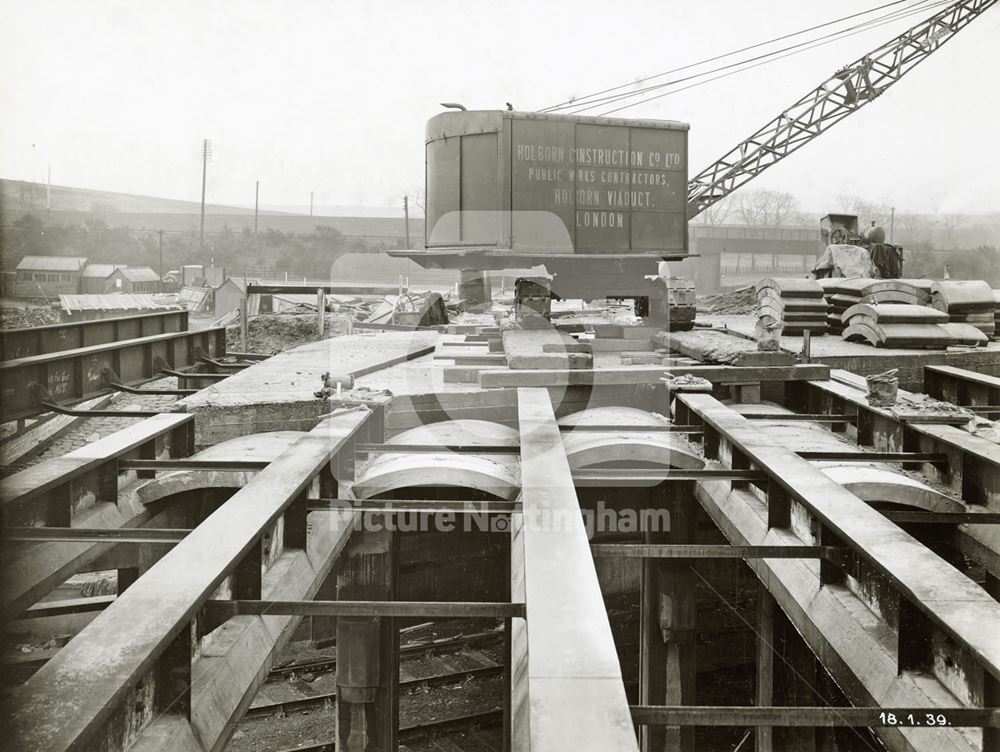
point(876, 596)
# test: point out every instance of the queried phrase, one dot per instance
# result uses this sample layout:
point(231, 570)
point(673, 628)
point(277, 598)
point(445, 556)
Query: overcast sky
point(332, 97)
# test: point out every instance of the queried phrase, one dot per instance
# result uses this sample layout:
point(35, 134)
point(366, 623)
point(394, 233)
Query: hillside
point(21, 196)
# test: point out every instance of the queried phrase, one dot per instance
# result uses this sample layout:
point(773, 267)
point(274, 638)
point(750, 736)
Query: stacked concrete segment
point(841, 294)
point(798, 304)
point(969, 301)
point(904, 325)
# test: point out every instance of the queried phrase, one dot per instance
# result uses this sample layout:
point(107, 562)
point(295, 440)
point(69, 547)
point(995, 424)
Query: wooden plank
point(45, 476)
point(37, 438)
point(651, 375)
point(977, 446)
point(52, 711)
point(963, 374)
point(575, 692)
point(68, 606)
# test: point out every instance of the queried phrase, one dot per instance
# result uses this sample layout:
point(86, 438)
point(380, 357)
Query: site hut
point(227, 296)
point(94, 278)
point(134, 279)
point(48, 276)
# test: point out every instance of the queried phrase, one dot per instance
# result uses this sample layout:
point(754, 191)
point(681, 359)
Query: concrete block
point(464, 374)
point(620, 345)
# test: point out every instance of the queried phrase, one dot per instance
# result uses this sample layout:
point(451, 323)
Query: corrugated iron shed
point(115, 301)
point(51, 263)
point(100, 271)
point(139, 274)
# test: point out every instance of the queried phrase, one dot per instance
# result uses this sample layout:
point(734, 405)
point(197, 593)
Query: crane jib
point(829, 103)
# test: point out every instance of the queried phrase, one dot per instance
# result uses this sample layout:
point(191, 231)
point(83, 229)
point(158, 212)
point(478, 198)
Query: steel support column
point(668, 608)
point(367, 648)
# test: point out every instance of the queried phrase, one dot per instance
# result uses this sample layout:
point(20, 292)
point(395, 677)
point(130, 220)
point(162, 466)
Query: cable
point(776, 54)
point(771, 647)
point(818, 43)
point(578, 100)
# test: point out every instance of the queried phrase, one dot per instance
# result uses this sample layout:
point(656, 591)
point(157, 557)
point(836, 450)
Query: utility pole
point(206, 154)
point(406, 217)
point(161, 255)
point(892, 222)
point(256, 204)
point(48, 191)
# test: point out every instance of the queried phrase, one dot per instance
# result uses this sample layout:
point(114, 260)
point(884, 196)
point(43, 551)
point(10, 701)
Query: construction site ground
point(289, 387)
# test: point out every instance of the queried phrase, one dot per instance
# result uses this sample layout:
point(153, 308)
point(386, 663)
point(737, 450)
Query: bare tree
point(846, 202)
point(951, 222)
point(718, 213)
point(748, 208)
point(911, 228)
point(872, 211)
point(768, 208)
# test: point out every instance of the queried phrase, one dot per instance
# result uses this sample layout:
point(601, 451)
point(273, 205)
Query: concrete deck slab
point(280, 393)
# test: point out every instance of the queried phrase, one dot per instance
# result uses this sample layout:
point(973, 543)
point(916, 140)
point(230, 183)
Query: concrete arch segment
point(498, 475)
point(591, 448)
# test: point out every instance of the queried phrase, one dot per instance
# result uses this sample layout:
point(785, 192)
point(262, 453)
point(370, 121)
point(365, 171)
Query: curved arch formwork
point(658, 447)
point(874, 484)
point(498, 475)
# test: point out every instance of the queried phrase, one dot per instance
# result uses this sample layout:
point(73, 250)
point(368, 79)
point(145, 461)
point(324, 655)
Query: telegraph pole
point(256, 204)
point(406, 217)
point(161, 255)
point(206, 154)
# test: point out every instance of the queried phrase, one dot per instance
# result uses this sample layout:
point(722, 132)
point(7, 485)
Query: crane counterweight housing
point(513, 188)
point(599, 202)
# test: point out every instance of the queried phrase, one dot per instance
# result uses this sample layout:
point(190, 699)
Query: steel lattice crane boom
point(847, 91)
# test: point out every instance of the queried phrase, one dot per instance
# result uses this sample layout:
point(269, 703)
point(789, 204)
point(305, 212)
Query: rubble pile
point(274, 333)
point(739, 300)
point(926, 406)
point(17, 317)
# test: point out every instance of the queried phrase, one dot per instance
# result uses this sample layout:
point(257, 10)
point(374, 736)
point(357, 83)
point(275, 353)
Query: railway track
point(465, 722)
point(412, 650)
point(437, 680)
